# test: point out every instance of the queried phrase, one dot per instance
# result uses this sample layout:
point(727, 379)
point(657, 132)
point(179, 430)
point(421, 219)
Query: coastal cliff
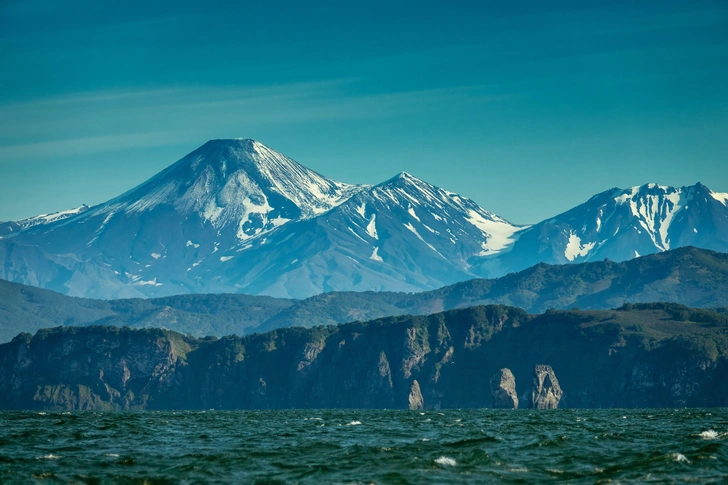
point(648, 355)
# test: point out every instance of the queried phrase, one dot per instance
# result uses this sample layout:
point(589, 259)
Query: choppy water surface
point(348, 446)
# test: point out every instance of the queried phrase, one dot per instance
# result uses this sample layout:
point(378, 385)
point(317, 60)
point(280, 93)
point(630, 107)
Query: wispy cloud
point(118, 120)
point(91, 144)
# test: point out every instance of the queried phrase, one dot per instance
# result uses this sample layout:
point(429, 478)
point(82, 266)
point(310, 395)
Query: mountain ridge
point(620, 224)
point(690, 276)
point(234, 216)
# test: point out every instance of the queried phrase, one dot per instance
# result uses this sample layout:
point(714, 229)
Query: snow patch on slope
point(721, 197)
point(411, 211)
point(152, 282)
point(575, 249)
point(499, 233)
point(372, 227)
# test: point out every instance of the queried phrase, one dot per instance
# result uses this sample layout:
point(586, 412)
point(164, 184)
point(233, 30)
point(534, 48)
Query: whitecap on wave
point(680, 458)
point(49, 456)
point(709, 435)
point(354, 423)
point(446, 461)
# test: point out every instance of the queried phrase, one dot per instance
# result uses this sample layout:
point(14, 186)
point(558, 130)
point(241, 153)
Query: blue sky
point(528, 109)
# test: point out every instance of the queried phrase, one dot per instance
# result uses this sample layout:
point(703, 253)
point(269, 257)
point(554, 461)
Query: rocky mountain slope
point(691, 276)
point(403, 234)
point(647, 355)
point(624, 224)
point(7, 228)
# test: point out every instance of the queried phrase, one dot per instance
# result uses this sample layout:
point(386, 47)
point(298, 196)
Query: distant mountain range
point(690, 276)
point(234, 216)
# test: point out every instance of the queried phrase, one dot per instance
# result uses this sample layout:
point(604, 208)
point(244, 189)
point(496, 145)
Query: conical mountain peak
point(244, 153)
point(239, 184)
point(402, 177)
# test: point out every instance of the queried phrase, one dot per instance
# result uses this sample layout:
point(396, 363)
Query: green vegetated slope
point(27, 309)
point(642, 355)
point(690, 276)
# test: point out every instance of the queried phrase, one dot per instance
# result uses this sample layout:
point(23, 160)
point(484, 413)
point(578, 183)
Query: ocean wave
point(49, 456)
point(446, 461)
point(394, 446)
point(680, 458)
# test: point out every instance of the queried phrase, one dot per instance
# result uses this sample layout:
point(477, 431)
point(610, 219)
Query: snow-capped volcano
point(621, 224)
point(151, 239)
point(236, 183)
point(237, 216)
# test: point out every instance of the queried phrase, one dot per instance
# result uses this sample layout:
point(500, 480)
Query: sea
point(366, 446)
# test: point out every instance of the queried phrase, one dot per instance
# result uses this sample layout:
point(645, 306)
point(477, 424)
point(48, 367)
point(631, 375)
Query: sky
point(529, 109)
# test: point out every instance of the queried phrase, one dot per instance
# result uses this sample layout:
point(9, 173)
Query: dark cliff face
point(90, 368)
point(656, 355)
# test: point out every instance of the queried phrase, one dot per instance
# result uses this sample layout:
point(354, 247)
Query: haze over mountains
point(691, 276)
point(235, 216)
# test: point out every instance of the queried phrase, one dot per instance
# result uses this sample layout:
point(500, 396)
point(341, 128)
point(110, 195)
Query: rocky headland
point(647, 355)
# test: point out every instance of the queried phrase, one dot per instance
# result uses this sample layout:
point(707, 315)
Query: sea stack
point(546, 392)
point(415, 397)
point(503, 390)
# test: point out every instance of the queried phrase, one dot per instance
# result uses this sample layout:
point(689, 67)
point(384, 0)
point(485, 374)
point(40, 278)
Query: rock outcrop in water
point(545, 391)
point(652, 355)
point(503, 390)
point(415, 397)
